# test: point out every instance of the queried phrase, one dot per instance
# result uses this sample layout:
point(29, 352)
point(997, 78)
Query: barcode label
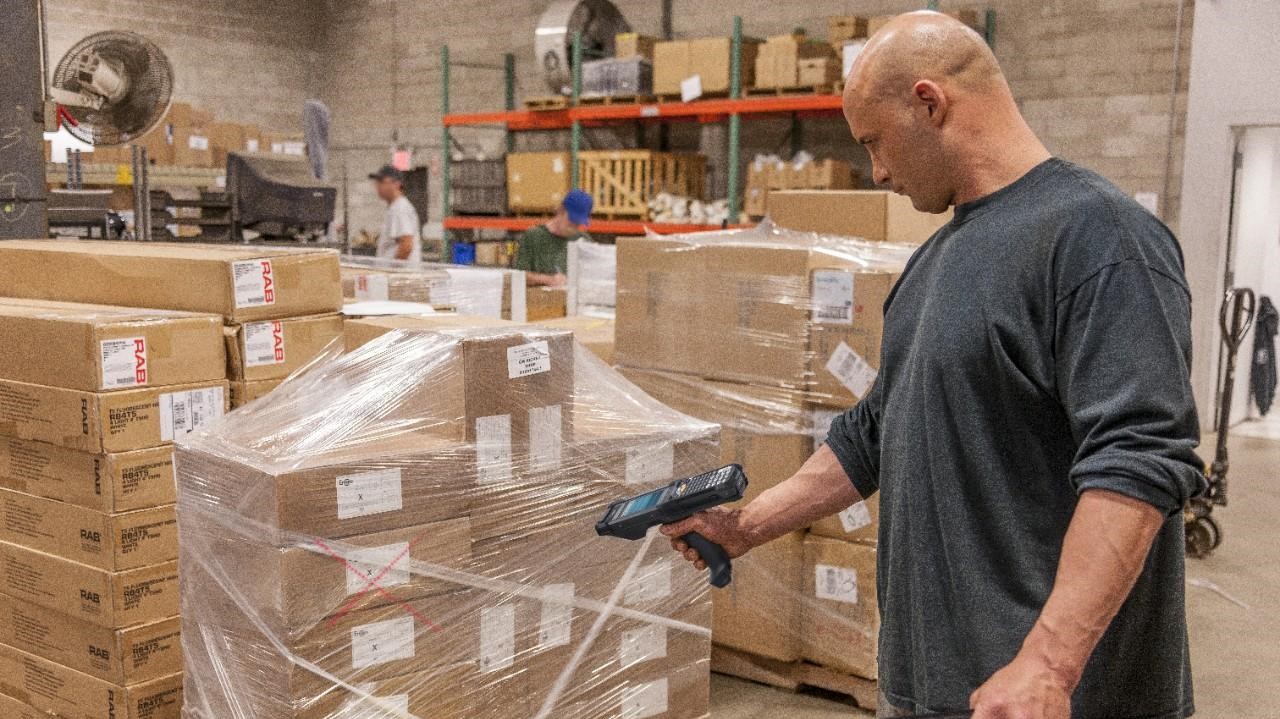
point(374, 707)
point(853, 372)
point(263, 343)
point(254, 283)
point(557, 616)
point(197, 142)
point(836, 583)
point(382, 642)
point(497, 638)
point(366, 493)
point(493, 448)
point(855, 517)
point(832, 296)
point(650, 582)
point(182, 412)
point(545, 438)
point(642, 645)
point(124, 362)
point(528, 359)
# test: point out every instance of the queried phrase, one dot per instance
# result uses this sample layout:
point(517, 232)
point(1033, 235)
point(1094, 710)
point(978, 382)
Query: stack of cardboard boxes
point(768, 173)
point(91, 397)
point(770, 334)
point(192, 137)
point(793, 61)
point(421, 538)
point(702, 66)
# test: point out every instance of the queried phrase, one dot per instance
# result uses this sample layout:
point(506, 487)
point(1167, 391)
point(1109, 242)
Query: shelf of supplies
point(712, 110)
point(122, 175)
point(603, 227)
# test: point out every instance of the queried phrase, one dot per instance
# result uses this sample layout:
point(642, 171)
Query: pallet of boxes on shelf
point(770, 333)
point(409, 528)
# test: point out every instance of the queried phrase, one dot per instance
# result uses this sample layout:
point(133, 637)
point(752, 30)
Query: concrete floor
point(1233, 606)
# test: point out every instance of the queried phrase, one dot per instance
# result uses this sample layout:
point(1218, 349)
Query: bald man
point(1031, 431)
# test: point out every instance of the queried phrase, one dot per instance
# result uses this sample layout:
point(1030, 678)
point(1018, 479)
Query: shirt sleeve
point(524, 253)
point(1123, 351)
point(854, 438)
point(404, 221)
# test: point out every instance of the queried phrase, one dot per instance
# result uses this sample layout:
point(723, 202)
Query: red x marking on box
point(372, 584)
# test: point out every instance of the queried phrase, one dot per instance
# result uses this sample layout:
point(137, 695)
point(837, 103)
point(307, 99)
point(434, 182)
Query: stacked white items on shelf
point(91, 398)
point(769, 333)
point(484, 291)
point(408, 529)
point(279, 304)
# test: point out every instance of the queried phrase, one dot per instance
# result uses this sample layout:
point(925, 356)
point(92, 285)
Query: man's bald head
point(924, 46)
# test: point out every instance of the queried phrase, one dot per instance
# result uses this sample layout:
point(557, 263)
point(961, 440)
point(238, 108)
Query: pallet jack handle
point(1235, 317)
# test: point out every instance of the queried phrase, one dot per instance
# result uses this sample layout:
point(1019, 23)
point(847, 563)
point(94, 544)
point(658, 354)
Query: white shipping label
point(377, 707)
point(377, 568)
point(544, 438)
point(182, 412)
point(557, 616)
point(293, 148)
point(124, 362)
point(254, 283)
point(691, 88)
point(530, 359)
point(493, 448)
point(557, 165)
point(836, 583)
point(263, 343)
point(652, 464)
point(373, 287)
point(645, 699)
point(368, 493)
point(642, 645)
point(197, 142)
point(853, 372)
point(832, 297)
point(855, 517)
point(650, 582)
point(497, 638)
point(251, 144)
point(382, 642)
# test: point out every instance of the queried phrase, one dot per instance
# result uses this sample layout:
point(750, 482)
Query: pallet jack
point(1203, 532)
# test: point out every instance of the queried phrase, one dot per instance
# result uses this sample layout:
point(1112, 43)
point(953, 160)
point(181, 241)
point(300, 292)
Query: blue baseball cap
point(578, 205)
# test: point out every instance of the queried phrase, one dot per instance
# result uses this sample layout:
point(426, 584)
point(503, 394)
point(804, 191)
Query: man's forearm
point(819, 489)
point(404, 247)
point(1103, 554)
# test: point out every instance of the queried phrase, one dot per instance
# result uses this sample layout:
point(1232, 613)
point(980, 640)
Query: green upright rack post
point(735, 120)
point(575, 133)
point(509, 72)
point(446, 145)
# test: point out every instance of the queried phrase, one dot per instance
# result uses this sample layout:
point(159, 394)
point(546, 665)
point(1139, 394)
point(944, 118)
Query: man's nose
point(879, 174)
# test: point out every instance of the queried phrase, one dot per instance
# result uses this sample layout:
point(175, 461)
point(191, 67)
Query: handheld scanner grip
point(718, 562)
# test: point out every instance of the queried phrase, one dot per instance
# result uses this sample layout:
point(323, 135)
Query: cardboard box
point(759, 612)
point(670, 66)
point(359, 332)
point(594, 333)
point(224, 137)
point(845, 27)
point(191, 146)
point(829, 174)
point(240, 283)
point(537, 181)
point(243, 393)
point(275, 349)
point(58, 690)
point(875, 22)
point(98, 347)
point(416, 284)
point(630, 44)
point(102, 482)
point(120, 656)
point(708, 58)
point(779, 60)
point(107, 599)
point(158, 144)
point(858, 523)
point(870, 214)
point(107, 541)
point(545, 303)
point(819, 71)
point(840, 620)
point(443, 693)
point(252, 135)
point(101, 422)
point(755, 201)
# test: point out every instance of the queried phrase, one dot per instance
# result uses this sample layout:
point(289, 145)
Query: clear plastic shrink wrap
point(407, 530)
point(483, 291)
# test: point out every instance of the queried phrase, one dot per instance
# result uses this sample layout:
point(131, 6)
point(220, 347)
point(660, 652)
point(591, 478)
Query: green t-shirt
point(543, 251)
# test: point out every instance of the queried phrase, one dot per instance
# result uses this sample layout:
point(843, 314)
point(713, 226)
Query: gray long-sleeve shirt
point(1036, 347)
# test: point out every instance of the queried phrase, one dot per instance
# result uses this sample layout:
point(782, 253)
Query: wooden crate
point(623, 181)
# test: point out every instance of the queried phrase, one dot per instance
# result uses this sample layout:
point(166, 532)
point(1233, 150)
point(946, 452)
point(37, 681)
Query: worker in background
point(1032, 427)
point(544, 250)
point(400, 226)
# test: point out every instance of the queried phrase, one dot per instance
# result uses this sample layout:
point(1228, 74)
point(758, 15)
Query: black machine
point(631, 518)
point(278, 198)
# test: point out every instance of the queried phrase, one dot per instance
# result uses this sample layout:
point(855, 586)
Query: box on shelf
point(594, 333)
point(779, 59)
point(274, 349)
point(225, 137)
point(874, 215)
point(841, 28)
point(630, 44)
point(818, 71)
point(57, 690)
point(113, 542)
point(121, 656)
point(537, 181)
point(829, 174)
point(839, 620)
point(101, 482)
point(240, 283)
point(545, 303)
point(189, 129)
point(100, 347)
point(674, 61)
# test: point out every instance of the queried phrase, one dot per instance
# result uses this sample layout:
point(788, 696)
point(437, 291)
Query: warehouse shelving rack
point(577, 116)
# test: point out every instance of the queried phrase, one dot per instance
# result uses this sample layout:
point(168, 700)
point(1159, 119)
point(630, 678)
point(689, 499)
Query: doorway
point(1254, 259)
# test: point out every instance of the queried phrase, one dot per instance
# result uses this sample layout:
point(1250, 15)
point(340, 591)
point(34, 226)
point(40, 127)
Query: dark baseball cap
point(387, 172)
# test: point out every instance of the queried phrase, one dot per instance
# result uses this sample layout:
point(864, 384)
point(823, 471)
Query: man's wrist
point(1055, 652)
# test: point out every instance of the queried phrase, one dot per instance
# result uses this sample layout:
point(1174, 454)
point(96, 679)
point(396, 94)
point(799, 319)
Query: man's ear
point(931, 100)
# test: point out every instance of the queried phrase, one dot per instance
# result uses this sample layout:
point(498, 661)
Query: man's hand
point(722, 526)
point(558, 280)
point(1025, 689)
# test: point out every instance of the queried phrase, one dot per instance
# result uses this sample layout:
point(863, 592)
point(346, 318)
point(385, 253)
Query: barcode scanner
point(631, 518)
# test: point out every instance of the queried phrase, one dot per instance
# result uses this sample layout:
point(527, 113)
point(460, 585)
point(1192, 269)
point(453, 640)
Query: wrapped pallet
point(408, 530)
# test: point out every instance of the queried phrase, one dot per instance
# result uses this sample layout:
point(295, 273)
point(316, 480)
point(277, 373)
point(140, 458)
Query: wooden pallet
point(675, 97)
point(793, 676)
point(823, 89)
point(617, 99)
point(546, 102)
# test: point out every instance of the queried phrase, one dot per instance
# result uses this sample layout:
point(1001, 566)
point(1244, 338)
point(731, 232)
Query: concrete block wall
point(1092, 76)
point(246, 60)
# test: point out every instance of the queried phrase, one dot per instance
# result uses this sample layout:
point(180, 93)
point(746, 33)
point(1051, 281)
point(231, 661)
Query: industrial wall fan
point(598, 21)
point(112, 87)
